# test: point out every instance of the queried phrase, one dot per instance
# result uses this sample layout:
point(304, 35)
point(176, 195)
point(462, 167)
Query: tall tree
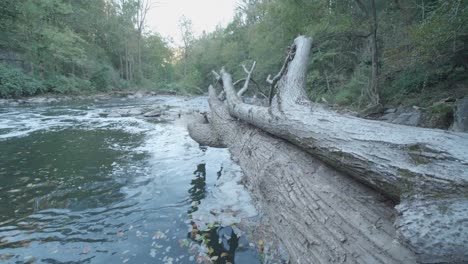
point(371, 15)
point(143, 7)
point(186, 32)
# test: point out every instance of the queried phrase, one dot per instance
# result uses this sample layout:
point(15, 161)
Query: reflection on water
point(77, 187)
point(222, 242)
point(198, 189)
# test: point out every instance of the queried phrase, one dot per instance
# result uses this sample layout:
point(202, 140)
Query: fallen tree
point(424, 170)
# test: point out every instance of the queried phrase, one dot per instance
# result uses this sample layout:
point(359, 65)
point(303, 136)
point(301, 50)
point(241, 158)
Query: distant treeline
point(365, 51)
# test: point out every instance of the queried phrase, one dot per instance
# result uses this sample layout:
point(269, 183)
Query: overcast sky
point(205, 15)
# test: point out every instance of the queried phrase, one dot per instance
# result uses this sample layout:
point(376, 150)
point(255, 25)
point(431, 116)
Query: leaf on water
point(159, 235)
point(184, 242)
point(210, 251)
point(86, 250)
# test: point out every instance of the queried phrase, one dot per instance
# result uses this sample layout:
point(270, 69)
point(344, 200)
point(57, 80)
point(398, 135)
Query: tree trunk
point(127, 72)
point(139, 49)
point(425, 170)
point(319, 214)
point(121, 71)
point(374, 91)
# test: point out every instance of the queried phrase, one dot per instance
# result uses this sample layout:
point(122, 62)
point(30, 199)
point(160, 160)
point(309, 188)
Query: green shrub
point(68, 85)
point(350, 93)
point(105, 78)
point(15, 83)
point(441, 109)
point(410, 81)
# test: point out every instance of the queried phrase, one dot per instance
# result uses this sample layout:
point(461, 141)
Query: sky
point(205, 15)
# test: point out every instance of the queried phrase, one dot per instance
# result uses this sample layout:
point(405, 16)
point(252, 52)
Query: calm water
point(79, 187)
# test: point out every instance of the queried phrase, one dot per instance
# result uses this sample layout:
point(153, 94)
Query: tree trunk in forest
point(139, 52)
point(121, 67)
point(127, 72)
point(374, 91)
point(425, 170)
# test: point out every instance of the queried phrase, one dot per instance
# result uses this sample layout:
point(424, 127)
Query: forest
point(410, 52)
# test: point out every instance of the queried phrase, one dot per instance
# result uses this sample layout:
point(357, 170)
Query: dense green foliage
point(80, 46)
point(98, 45)
point(13, 82)
point(422, 50)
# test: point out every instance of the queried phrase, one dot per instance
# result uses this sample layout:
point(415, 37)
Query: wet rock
point(134, 112)
point(114, 114)
point(460, 122)
point(154, 113)
point(43, 100)
point(37, 100)
point(136, 95)
point(52, 100)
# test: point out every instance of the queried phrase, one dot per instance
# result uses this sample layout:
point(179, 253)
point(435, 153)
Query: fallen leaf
point(86, 250)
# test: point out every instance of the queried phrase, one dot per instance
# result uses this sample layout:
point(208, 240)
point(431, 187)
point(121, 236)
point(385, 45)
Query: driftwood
point(424, 170)
point(320, 215)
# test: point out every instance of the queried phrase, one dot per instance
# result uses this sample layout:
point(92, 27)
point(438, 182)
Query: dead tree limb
point(319, 214)
point(257, 86)
point(247, 79)
point(278, 76)
point(425, 170)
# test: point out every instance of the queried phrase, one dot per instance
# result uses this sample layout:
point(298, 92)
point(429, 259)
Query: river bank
point(58, 98)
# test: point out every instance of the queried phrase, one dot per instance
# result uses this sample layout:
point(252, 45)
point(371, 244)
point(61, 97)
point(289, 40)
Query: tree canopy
point(420, 47)
point(365, 51)
point(84, 45)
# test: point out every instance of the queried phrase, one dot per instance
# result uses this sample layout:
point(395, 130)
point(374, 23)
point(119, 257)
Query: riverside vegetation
point(365, 52)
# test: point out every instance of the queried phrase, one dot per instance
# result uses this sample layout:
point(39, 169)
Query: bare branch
point(218, 80)
point(247, 80)
point(274, 81)
point(260, 91)
point(216, 75)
